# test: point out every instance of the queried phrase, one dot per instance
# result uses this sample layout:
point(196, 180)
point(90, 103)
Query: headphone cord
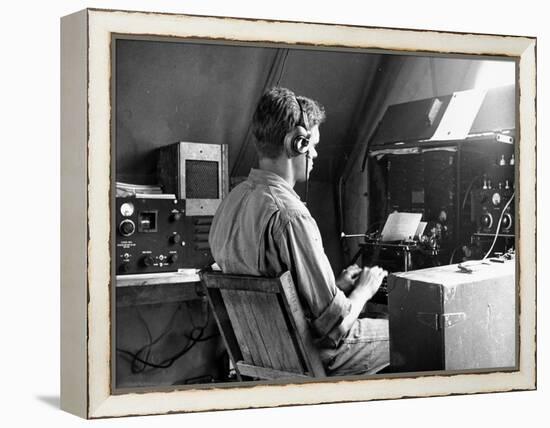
point(498, 226)
point(307, 176)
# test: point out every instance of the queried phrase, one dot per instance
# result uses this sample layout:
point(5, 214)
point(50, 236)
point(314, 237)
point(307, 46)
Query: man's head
point(277, 115)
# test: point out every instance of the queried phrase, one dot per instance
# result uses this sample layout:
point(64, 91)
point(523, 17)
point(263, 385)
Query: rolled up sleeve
point(327, 322)
point(324, 303)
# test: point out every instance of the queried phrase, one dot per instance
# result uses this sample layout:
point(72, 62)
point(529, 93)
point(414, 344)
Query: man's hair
point(277, 114)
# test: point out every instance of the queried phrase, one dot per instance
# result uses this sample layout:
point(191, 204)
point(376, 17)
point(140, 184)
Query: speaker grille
point(201, 179)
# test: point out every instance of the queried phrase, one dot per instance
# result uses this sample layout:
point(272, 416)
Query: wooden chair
point(263, 326)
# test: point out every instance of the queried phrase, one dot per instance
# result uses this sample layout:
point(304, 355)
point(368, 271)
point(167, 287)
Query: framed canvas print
point(262, 213)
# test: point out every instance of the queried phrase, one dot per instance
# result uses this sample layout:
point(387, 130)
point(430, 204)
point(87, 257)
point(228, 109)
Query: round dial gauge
point(496, 199)
point(127, 209)
point(487, 220)
point(507, 222)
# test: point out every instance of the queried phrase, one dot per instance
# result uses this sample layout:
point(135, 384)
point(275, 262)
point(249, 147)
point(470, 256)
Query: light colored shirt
point(262, 228)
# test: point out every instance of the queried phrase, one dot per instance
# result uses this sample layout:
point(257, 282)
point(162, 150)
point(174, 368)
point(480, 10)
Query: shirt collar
point(261, 176)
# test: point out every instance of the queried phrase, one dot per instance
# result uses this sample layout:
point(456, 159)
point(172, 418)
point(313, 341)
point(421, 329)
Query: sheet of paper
point(420, 229)
point(400, 226)
point(459, 115)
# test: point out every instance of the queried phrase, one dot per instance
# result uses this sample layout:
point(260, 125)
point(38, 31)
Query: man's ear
point(287, 143)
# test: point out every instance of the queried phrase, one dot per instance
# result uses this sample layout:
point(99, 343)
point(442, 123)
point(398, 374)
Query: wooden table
point(142, 289)
point(155, 297)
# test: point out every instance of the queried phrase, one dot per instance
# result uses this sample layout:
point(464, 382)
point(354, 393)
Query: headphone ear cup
point(300, 142)
point(296, 142)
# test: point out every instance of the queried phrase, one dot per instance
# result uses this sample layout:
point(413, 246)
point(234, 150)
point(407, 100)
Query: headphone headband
point(303, 116)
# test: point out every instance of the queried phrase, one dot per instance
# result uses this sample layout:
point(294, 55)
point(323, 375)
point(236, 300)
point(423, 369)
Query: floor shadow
point(51, 400)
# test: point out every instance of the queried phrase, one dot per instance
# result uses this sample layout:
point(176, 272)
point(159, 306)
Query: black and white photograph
point(266, 213)
point(296, 213)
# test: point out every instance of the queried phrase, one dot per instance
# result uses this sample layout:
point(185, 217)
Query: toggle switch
point(175, 217)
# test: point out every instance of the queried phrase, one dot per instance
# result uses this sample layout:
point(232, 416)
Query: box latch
point(439, 321)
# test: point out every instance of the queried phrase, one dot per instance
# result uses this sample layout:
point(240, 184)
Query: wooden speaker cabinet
point(196, 173)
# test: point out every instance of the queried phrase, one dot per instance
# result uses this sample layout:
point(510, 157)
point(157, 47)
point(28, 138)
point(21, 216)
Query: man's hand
point(369, 280)
point(347, 278)
point(366, 285)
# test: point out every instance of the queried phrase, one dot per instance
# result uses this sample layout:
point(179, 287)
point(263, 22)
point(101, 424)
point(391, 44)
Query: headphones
point(297, 141)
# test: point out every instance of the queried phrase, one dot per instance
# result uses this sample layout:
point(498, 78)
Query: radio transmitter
point(153, 234)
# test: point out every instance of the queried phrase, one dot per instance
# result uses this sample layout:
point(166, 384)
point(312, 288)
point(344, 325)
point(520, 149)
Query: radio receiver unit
point(154, 234)
point(487, 207)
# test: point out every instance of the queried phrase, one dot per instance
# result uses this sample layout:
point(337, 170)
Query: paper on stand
point(420, 229)
point(400, 226)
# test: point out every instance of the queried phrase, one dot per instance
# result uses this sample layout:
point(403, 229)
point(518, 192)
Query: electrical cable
point(192, 320)
point(202, 339)
point(462, 206)
point(192, 342)
point(307, 177)
point(196, 335)
point(477, 177)
point(164, 364)
point(341, 203)
point(453, 254)
point(498, 225)
point(148, 347)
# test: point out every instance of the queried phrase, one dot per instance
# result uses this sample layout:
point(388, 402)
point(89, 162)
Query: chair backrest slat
point(241, 329)
point(299, 324)
point(269, 329)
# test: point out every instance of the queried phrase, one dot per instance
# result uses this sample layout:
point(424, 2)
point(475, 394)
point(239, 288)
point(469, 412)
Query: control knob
point(176, 238)
point(148, 261)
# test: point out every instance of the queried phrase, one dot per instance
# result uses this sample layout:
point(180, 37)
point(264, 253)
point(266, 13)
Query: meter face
point(127, 209)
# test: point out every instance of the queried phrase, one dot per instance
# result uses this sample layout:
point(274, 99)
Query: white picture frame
point(86, 185)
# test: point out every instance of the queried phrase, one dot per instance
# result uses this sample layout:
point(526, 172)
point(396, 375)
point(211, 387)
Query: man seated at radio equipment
point(262, 228)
